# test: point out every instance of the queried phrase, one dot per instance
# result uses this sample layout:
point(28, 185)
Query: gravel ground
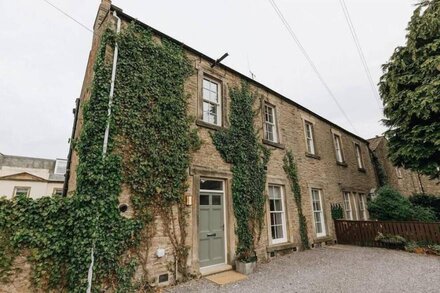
point(339, 268)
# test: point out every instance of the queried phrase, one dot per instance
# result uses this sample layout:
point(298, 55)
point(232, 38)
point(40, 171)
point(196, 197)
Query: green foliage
point(337, 211)
point(389, 238)
point(427, 201)
point(380, 171)
point(240, 146)
point(410, 89)
point(149, 151)
point(291, 171)
point(391, 205)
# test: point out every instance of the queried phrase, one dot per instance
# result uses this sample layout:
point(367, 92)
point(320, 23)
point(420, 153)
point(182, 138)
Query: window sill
point(343, 164)
point(204, 124)
point(274, 144)
point(323, 238)
point(313, 156)
point(362, 170)
point(280, 246)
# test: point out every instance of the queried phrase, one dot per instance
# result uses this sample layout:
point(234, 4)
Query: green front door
point(211, 229)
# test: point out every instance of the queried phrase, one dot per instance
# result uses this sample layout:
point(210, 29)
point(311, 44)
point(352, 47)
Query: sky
point(43, 56)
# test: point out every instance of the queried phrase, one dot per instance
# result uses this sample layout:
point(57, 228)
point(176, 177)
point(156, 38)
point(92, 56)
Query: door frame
point(225, 224)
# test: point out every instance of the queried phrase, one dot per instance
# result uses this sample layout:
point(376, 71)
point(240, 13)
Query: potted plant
point(246, 262)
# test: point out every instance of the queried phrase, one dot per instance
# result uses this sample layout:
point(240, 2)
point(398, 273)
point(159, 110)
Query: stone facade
point(33, 177)
point(319, 171)
point(405, 181)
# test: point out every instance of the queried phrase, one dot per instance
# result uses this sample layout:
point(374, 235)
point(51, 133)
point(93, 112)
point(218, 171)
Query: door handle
point(212, 234)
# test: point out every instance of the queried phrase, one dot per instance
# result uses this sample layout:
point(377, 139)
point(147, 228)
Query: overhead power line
point(360, 52)
point(68, 15)
point(309, 60)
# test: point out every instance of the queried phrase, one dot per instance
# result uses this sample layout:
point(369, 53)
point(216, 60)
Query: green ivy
point(337, 211)
point(291, 171)
point(239, 145)
point(149, 152)
point(380, 171)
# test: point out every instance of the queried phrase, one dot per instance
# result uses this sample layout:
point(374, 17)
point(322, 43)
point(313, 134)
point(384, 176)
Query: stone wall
point(405, 181)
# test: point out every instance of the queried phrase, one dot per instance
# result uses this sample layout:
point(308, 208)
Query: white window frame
point(362, 206)
point(310, 142)
point(359, 159)
point(57, 162)
point(338, 148)
point(282, 212)
point(314, 191)
point(398, 172)
point(217, 104)
point(348, 213)
point(272, 124)
point(354, 206)
point(55, 189)
point(28, 188)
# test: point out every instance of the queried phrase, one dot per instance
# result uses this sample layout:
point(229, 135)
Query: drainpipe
point(105, 143)
point(112, 87)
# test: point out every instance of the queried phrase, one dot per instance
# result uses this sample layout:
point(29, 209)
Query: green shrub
point(427, 201)
point(337, 211)
point(390, 205)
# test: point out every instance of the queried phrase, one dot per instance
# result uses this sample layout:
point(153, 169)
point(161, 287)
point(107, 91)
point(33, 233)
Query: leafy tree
point(390, 205)
point(428, 201)
point(410, 90)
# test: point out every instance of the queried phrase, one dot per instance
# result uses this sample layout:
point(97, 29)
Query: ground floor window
point(277, 214)
point(362, 207)
point(347, 206)
point(22, 191)
point(318, 212)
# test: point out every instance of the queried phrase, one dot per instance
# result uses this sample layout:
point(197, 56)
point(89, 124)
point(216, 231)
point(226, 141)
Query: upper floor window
point(309, 138)
point(60, 167)
point(359, 156)
point(23, 191)
point(338, 148)
point(212, 102)
point(347, 206)
point(270, 127)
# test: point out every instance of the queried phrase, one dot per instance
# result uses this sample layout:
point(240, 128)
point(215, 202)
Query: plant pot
point(245, 268)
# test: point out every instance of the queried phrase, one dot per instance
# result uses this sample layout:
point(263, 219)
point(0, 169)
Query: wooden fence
point(363, 233)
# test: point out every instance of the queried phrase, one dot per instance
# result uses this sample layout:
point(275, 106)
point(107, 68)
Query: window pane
point(211, 184)
point(269, 132)
point(279, 230)
point(216, 200)
point(204, 200)
point(206, 84)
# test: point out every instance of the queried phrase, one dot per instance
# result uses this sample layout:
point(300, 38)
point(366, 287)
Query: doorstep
point(206, 271)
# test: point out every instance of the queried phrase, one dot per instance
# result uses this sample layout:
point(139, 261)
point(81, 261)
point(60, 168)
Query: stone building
point(33, 177)
point(334, 164)
point(407, 182)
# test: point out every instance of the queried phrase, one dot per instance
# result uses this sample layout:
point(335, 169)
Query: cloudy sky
point(43, 55)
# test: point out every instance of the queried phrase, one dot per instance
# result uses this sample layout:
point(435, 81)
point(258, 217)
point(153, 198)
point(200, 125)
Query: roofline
point(241, 75)
point(32, 158)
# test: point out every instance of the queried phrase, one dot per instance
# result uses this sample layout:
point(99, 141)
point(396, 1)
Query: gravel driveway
point(338, 268)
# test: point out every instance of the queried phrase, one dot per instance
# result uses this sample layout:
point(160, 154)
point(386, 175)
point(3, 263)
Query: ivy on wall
point(380, 171)
point(239, 145)
point(291, 171)
point(149, 152)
